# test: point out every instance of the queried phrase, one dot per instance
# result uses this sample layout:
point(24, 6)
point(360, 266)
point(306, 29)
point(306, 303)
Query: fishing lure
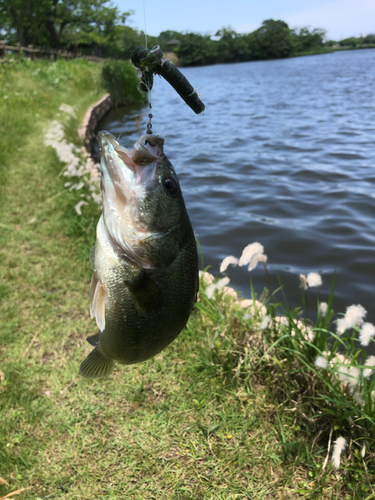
point(151, 62)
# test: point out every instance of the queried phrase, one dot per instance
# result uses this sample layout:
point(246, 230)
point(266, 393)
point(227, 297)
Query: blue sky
point(341, 18)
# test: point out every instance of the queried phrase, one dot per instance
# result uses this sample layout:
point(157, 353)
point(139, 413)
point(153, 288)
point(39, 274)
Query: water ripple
point(283, 154)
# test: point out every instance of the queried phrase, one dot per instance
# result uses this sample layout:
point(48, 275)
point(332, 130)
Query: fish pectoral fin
point(96, 365)
point(94, 339)
point(147, 296)
point(94, 282)
point(97, 302)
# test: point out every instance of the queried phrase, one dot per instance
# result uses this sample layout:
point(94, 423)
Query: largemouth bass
point(145, 261)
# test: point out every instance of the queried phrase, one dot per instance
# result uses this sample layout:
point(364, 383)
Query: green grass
point(121, 80)
point(217, 415)
point(315, 51)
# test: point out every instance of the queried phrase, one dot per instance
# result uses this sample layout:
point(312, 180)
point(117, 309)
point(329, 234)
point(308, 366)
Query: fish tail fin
point(96, 365)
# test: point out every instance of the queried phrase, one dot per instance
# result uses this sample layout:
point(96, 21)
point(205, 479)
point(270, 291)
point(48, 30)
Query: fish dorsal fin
point(94, 339)
point(92, 258)
point(146, 294)
point(97, 302)
point(96, 365)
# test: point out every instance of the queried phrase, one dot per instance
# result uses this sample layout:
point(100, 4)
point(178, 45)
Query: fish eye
point(171, 185)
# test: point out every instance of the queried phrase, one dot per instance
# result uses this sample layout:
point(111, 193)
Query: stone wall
point(95, 113)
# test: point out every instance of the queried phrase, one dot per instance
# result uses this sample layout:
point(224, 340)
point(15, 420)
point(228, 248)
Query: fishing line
point(149, 124)
point(144, 16)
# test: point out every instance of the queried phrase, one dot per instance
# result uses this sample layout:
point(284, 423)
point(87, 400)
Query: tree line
point(97, 27)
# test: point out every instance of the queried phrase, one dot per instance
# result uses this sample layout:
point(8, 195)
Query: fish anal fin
point(146, 294)
point(94, 339)
point(96, 365)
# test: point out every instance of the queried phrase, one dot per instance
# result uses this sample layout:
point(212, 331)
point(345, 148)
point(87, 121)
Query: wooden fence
point(38, 53)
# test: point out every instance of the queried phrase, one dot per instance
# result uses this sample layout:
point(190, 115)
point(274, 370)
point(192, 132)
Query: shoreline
point(92, 116)
point(327, 50)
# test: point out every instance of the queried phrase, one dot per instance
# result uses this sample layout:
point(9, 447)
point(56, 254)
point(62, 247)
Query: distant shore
point(313, 52)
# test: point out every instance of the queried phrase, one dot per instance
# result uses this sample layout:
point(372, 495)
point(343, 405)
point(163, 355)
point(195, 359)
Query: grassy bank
point(329, 50)
point(225, 412)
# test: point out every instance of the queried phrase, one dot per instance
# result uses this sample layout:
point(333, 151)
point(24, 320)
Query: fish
point(145, 263)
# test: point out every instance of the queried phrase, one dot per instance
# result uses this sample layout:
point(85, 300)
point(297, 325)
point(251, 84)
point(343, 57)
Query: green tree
point(232, 47)
point(45, 21)
point(272, 40)
point(369, 39)
point(166, 36)
point(131, 38)
point(102, 36)
point(87, 15)
point(349, 42)
point(197, 50)
point(305, 40)
point(16, 17)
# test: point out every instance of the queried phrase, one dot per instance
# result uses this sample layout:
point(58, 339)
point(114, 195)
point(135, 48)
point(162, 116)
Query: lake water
point(284, 154)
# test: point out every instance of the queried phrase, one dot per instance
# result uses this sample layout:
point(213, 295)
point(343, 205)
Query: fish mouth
point(123, 168)
point(126, 178)
point(147, 149)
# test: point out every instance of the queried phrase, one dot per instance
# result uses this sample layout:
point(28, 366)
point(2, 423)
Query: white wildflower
point(256, 308)
point(230, 292)
point(257, 258)
point(337, 360)
point(75, 165)
point(77, 208)
point(354, 315)
point(247, 316)
point(349, 375)
point(77, 186)
point(246, 303)
point(314, 279)
point(282, 320)
point(353, 377)
point(206, 277)
point(97, 198)
point(227, 261)
point(309, 335)
point(340, 358)
point(222, 283)
point(210, 290)
point(366, 333)
point(323, 307)
point(358, 398)
point(303, 281)
point(279, 321)
point(299, 327)
point(321, 362)
point(369, 362)
point(68, 110)
point(249, 252)
point(265, 322)
point(342, 326)
point(340, 444)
